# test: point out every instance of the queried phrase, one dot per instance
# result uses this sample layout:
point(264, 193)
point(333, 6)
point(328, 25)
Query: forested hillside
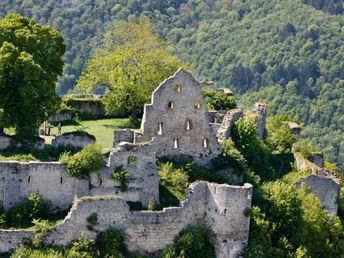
point(289, 53)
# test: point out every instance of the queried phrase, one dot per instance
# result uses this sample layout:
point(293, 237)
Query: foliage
point(192, 242)
point(88, 159)
point(280, 137)
point(92, 220)
point(217, 100)
point(230, 157)
point(290, 223)
point(22, 214)
point(253, 149)
point(110, 243)
point(131, 64)
point(122, 176)
point(306, 149)
point(30, 62)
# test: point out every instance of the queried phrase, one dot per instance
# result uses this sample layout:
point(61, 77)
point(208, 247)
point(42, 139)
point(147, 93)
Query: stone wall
point(222, 206)
point(91, 108)
point(325, 188)
point(177, 117)
point(260, 113)
point(75, 140)
point(64, 115)
point(50, 179)
point(5, 142)
point(224, 131)
point(140, 162)
point(11, 239)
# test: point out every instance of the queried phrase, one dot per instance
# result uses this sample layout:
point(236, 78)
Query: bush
point(192, 242)
point(306, 149)
point(230, 157)
point(88, 159)
point(92, 220)
point(217, 100)
point(22, 214)
point(110, 243)
point(122, 176)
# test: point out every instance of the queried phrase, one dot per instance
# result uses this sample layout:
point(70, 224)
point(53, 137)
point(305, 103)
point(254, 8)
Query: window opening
point(29, 179)
point(175, 143)
point(61, 180)
point(205, 143)
point(178, 88)
point(188, 125)
point(170, 105)
point(160, 128)
point(197, 104)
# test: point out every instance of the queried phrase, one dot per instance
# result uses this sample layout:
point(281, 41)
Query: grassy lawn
point(102, 129)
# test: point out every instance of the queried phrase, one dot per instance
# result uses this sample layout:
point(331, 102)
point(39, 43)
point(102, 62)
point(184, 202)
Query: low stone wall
point(222, 206)
point(64, 115)
point(50, 179)
point(11, 239)
point(75, 140)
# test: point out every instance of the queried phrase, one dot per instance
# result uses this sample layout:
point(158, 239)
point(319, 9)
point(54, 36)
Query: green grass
point(102, 129)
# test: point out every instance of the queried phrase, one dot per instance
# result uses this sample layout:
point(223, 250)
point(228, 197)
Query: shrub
point(22, 214)
point(92, 220)
point(88, 159)
point(306, 149)
point(122, 176)
point(230, 157)
point(110, 243)
point(192, 242)
point(217, 100)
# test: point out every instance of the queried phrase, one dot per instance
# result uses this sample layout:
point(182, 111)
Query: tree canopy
point(131, 64)
point(30, 63)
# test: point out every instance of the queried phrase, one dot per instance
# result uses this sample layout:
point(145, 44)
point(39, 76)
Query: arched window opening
point(170, 105)
point(178, 88)
point(100, 181)
point(29, 179)
point(160, 128)
point(205, 143)
point(197, 104)
point(175, 143)
point(188, 125)
point(61, 180)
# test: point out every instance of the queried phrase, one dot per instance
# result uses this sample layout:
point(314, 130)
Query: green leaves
point(30, 62)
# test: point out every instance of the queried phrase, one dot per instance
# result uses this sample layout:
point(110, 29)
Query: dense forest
point(289, 54)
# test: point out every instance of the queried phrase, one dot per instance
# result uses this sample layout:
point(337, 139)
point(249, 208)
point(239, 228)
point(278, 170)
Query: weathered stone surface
point(177, 117)
point(224, 132)
point(5, 142)
point(11, 239)
point(260, 113)
point(140, 162)
point(76, 140)
point(149, 231)
point(325, 188)
point(124, 135)
point(50, 179)
point(64, 115)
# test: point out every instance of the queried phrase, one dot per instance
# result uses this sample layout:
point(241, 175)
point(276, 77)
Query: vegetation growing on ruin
point(82, 163)
point(121, 175)
point(217, 100)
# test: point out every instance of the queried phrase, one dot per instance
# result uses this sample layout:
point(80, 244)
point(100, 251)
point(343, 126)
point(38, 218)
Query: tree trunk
point(133, 115)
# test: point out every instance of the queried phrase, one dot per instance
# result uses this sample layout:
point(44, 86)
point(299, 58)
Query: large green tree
point(30, 63)
point(131, 64)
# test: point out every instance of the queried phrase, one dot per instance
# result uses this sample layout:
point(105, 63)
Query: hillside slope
point(289, 53)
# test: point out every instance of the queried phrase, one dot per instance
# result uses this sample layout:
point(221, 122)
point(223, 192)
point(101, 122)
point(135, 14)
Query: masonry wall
point(177, 117)
point(150, 231)
point(140, 162)
point(49, 179)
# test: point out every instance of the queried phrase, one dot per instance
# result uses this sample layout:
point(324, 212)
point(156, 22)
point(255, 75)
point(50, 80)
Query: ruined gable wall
point(150, 231)
point(171, 109)
point(49, 179)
